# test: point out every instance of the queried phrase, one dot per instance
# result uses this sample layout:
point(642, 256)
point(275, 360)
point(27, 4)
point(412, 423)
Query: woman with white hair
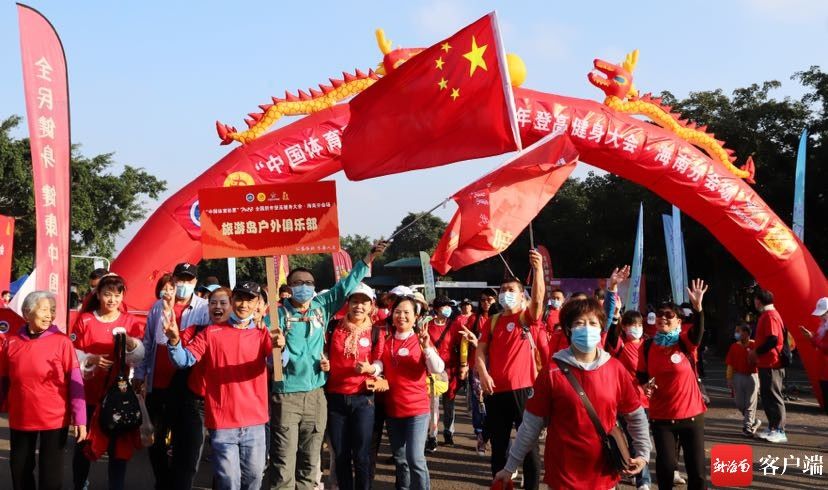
point(41, 379)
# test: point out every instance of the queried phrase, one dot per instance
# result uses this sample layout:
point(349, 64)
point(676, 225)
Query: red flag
point(547, 269)
point(342, 264)
point(6, 248)
point(282, 269)
point(47, 108)
point(496, 208)
point(451, 102)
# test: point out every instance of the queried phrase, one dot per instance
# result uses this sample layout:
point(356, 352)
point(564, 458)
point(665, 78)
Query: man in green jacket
point(299, 410)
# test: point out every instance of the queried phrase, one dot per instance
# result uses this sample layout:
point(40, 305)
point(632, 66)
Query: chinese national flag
point(496, 208)
point(449, 103)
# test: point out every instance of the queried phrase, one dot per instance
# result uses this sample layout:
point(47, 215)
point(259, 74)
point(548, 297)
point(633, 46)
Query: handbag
point(614, 442)
point(120, 410)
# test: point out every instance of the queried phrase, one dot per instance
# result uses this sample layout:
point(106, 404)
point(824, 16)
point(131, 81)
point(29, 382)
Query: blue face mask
point(236, 320)
point(586, 339)
point(556, 304)
point(302, 293)
point(445, 311)
point(184, 290)
point(667, 339)
point(737, 336)
point(509, 300)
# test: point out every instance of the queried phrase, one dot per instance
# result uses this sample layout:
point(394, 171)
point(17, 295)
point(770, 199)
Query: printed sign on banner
point(277, 219)
point(6, 247)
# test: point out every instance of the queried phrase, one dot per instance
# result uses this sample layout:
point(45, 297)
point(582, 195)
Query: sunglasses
point(668, 314)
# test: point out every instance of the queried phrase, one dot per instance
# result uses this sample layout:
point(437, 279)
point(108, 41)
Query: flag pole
point(531, 236)
point(418, 218)
point(506, 264)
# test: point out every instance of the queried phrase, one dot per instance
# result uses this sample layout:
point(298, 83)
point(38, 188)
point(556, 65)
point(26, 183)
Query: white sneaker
point(777, 436)
point(678, 479)
point(644, 487)
point(764, 433)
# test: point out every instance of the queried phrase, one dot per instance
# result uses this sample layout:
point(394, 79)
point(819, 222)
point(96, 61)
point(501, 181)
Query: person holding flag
point(508, 372)
point(299, 412)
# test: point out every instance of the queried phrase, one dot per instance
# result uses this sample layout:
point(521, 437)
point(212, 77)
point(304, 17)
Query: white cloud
point(790, 11)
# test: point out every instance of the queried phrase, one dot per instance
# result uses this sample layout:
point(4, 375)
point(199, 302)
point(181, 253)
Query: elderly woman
point(41, 378)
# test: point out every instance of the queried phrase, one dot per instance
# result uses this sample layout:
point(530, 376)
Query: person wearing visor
point(666, 369)
point(154, 375)
point(233, 357)
point(299, 411)
point(354, 349)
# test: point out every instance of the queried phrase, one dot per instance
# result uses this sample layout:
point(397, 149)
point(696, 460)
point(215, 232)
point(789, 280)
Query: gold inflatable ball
point(517, 69)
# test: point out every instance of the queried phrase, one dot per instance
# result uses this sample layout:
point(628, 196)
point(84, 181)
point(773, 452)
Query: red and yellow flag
point(451, 102)
point(496, 208)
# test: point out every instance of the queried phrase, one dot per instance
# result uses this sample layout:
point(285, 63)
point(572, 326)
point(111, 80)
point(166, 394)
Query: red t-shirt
point(195, 380)
point(770, 323)
point(403, 362)
point(557, 341)
point(678, 395)
point(164, 368)
point(573, 457)
point(737, 357)
point(39, 373)
point(552, 320)
point(233, 360)
point(628, 355)
point(342, 378)
point(446, 345)
point(511, 359)
point(93, 336)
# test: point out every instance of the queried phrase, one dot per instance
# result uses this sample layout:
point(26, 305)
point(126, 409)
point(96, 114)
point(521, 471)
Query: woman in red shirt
point(40, 377)
point(354, 350)
point(667, 370)
point(574, 456)
point(93, 339)
point(406, 359)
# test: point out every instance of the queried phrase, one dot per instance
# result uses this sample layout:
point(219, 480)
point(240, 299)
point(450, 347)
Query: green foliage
point(103, 203)
point(422, 235)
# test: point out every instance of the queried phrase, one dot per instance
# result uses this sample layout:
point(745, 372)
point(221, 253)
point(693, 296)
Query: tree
point(421, 236)
point(103, 203)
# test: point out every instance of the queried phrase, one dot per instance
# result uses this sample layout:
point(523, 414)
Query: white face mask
point(635, 332)
point(509, 300)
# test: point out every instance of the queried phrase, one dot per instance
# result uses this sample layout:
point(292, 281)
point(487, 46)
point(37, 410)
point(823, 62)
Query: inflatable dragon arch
point(682, 163)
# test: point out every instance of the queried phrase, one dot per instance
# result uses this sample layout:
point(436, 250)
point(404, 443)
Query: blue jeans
point(238, 457)
point(477, 408)
point(350, 426)
point(408, 437)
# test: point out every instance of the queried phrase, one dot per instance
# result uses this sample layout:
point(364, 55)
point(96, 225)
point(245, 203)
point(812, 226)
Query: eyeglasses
point(668, 314)
point(301, 283)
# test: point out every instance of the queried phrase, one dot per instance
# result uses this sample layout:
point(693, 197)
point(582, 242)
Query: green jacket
point(305, 334)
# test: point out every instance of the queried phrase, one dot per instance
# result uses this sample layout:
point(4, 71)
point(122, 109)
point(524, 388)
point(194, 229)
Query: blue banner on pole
point(799, 188)
point(634, 292)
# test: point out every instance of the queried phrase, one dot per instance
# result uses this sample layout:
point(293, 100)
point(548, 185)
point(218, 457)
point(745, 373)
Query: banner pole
point(273, 306)
point(418, 218)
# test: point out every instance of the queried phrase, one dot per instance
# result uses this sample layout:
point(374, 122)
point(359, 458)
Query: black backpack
point(120, 411)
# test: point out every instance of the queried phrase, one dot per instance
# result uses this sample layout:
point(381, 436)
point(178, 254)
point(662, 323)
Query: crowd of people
point(356, 366)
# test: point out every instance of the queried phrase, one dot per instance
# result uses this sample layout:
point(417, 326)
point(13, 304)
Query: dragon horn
point(303, 95)
point(383, 42)
point(325, 88)
point(256, 116)
point(360, 74)
point(348, 77)
point(336, 82)
point(250, 123)
point(265, 107)
point(290, 97)
point(222, 131)
point(750, 168)
point(315, 93)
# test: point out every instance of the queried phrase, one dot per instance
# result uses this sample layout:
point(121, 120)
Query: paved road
point(460, 467)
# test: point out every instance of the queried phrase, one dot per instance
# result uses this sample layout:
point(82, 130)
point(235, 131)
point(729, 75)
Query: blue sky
point(149, 79)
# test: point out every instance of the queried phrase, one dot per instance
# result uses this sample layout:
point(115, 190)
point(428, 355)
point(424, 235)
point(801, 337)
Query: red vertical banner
point(6, 247)
point(282, 269)
point(46, 88)
point(342, 264)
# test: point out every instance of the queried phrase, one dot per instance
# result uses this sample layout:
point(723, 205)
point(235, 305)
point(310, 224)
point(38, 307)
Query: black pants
point(50, 458)
point(188, 440)
point(161, 411)
point(116, 468)
point(376, 433)
point(690, 434)
point(350, 428)
point(770, 389)
point(503, 412)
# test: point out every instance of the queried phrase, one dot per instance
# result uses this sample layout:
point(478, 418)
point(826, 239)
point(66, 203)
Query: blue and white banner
point(634, 291)
point(799, 188)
